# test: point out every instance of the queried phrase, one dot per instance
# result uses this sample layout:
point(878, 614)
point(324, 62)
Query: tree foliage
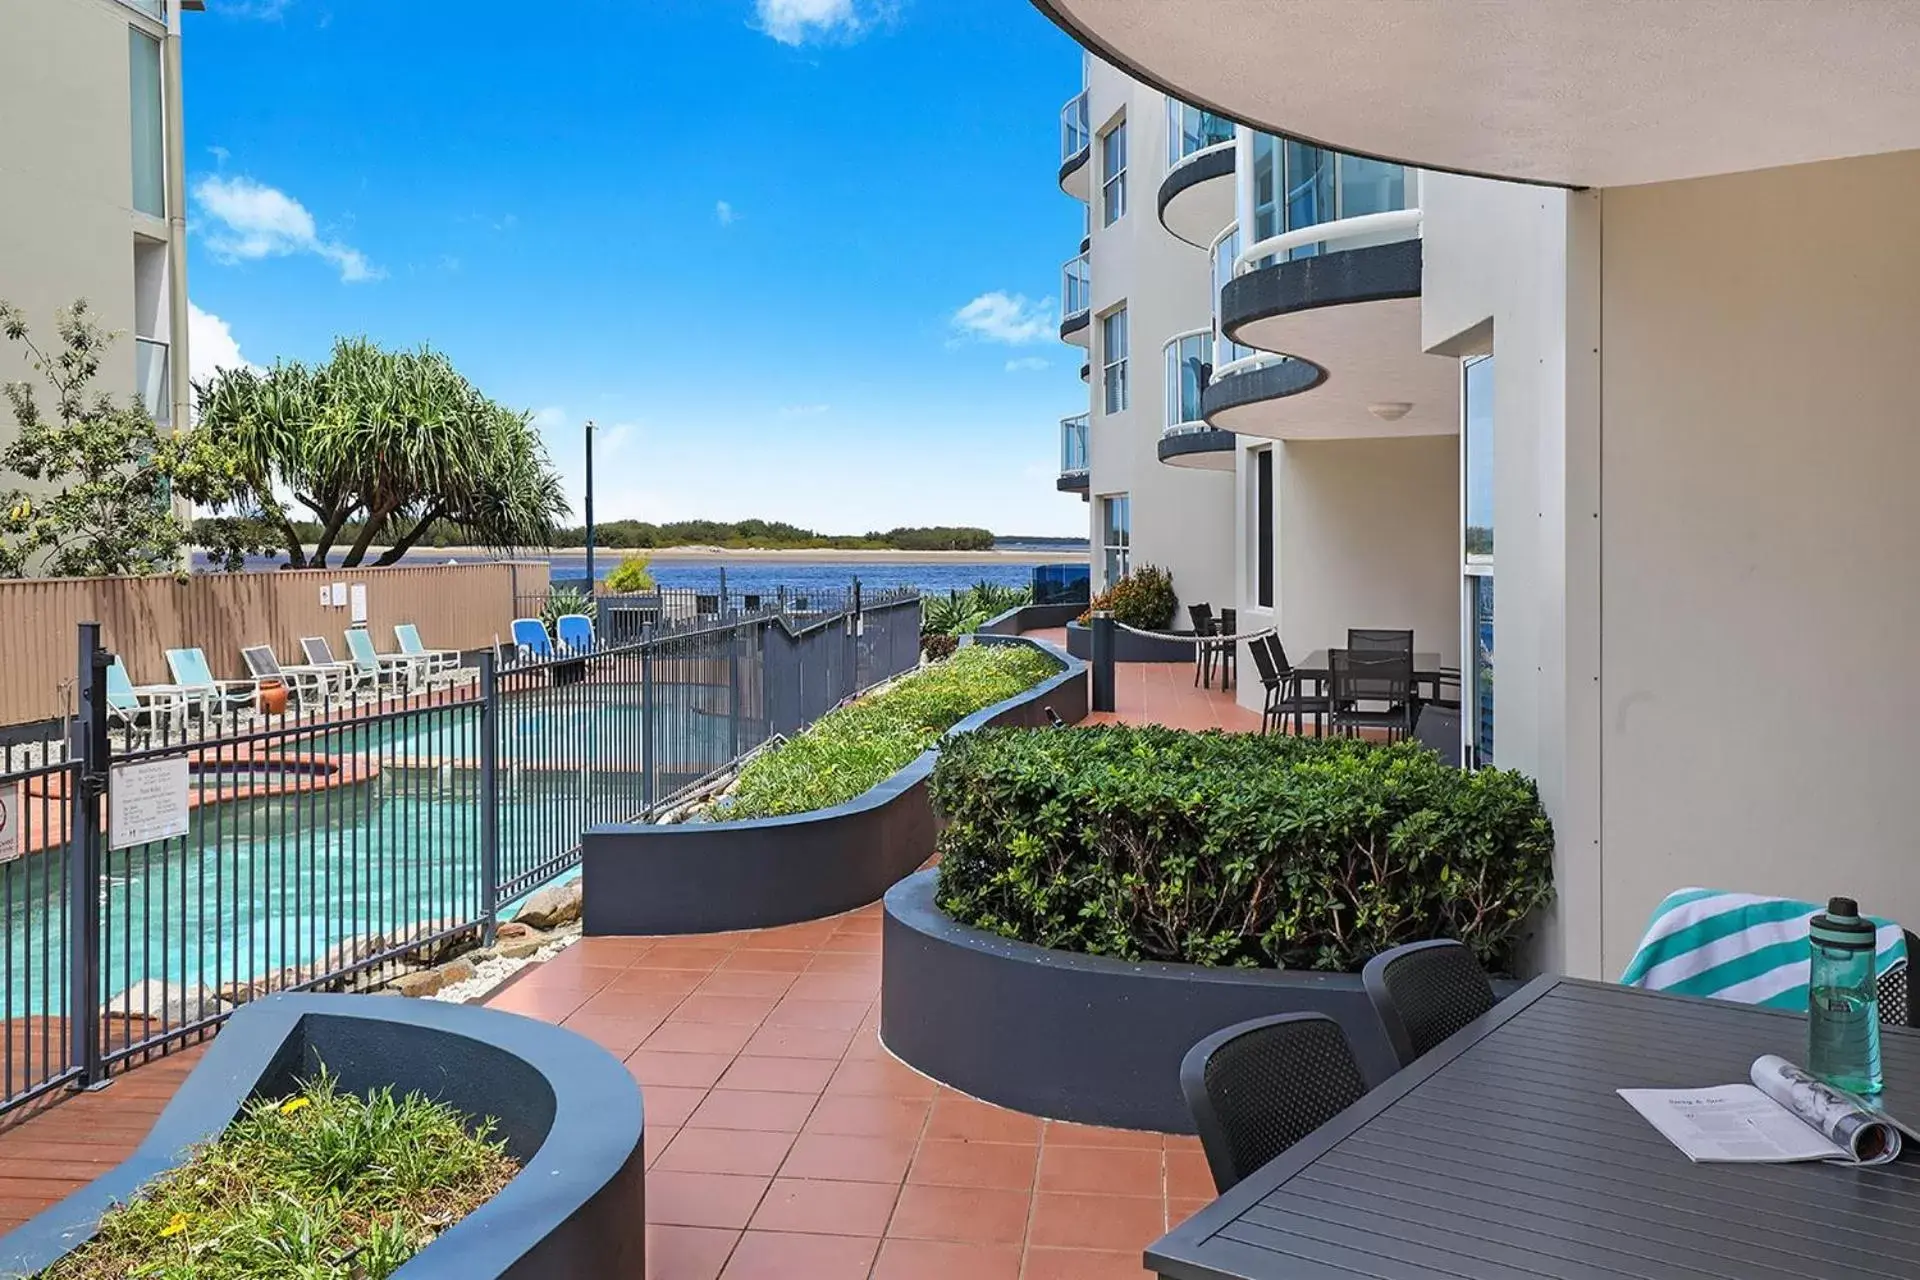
point(105, 475)
point(382, 447)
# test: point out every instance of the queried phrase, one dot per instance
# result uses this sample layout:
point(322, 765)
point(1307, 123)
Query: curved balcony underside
point(1567, 93)
point(1206, 449)
point(1375, 381)
point(1261, 308)
point(1076, 174)
point(1196, 196)
point(1086, 370)
point(1078, 329)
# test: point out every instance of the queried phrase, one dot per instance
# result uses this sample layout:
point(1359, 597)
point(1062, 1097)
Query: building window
point(1113, 174)
point(1189, 367)
point(1116, 536)
point(1113, 356)
point(149, 127)
point(1263, 530)
point(1298, 185)
point(1476, 542)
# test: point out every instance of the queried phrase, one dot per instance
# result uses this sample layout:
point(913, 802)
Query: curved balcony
point(1568, 94)
point(1196, 197)
point(1187, 440)
point(1075, 462)
point(1076, 302)
point(1076, 149)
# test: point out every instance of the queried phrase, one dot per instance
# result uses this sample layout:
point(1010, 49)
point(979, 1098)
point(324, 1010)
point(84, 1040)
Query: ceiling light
point(1390, 410)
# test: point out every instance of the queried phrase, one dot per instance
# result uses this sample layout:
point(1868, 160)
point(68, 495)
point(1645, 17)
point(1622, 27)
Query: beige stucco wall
point(1368, 537)
point(67, 224)
point(1761, 597)
point(1183, 518)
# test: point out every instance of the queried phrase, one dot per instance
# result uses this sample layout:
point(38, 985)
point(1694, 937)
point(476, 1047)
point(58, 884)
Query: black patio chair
point(1201, 615)
point(1370, 690)
point(1438, 727)
point(1424, 992)
point(1283, 687)
point(1375, 640)
point(1223, 651)
point(1258, 1087)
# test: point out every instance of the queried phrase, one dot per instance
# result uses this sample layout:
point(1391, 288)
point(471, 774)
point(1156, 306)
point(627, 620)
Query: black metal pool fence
point(174, 856)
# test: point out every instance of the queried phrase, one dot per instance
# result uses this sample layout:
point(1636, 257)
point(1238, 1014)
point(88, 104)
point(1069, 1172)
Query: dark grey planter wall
point(1029, 617)
point(1129, 647)
point(568, 1110)
point(712, 877)
point(1077, 1037)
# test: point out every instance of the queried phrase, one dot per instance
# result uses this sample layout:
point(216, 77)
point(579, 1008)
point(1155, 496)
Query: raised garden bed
point(711, 877)
point(567, 1111)
point(1129, 646)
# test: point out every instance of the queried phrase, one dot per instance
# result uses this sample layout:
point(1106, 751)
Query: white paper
point(359, 594)
point(147, 801)
point(339, 595)
point(11, 817)
point(326, 596)
point(1730, 1123)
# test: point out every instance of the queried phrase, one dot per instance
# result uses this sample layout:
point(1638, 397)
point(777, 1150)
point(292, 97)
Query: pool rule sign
point(147, 801)
point(9, 823)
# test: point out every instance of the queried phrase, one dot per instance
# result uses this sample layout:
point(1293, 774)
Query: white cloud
point(796, 22)
point(803, 410)
point(265, 10)
point(1028, 364)
point(220, 154)
point(1004, 317)
point(723, 213)
point(211, 346)
point(252, 221)
point(551, 418)
point(611, 440)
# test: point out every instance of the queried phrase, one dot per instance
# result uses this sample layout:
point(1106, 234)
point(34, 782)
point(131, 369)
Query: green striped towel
point(1741, 947)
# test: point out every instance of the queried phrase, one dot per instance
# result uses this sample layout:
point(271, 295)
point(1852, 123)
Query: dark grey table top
point(1426, 666)
point(1505, 1154)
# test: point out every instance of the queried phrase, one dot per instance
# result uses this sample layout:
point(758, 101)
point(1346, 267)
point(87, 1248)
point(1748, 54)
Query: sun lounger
point(320, 654)
point(128, 704)
point(436, 661)
point(312, 685)
point(576, 633)
point(531, 640)
point(192, 674)
point(395, 669)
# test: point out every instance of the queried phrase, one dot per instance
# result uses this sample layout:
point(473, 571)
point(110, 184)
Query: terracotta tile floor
point(1164, 693)
point(784, 1141)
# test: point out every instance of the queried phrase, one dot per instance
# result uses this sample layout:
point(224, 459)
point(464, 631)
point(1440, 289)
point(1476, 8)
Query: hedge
point(1235, 849)
point(853, 747)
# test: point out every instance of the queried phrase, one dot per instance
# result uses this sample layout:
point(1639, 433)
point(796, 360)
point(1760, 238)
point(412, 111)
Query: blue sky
point(743, 236)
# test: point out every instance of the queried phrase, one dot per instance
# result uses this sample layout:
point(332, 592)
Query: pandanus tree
point(388, 444)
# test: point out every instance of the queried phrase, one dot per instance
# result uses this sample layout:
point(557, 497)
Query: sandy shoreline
point(714, 555)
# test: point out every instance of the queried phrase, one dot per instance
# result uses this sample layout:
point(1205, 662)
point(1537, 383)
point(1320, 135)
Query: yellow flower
point(174, 1227)
point(292, 1105)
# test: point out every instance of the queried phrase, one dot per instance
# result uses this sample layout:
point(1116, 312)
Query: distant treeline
point(772, 535)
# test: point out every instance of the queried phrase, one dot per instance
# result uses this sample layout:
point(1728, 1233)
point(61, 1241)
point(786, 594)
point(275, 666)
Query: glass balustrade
point(1076, 286)
point(151, 380)
point(1073, 445)
point(1189, 368)
point(1225, 250)
point(1189, 129)
point(1075, 135)
point(1295, 185)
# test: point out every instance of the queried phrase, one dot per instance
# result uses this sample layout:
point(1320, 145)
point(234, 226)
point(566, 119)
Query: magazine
point(1784, 1115)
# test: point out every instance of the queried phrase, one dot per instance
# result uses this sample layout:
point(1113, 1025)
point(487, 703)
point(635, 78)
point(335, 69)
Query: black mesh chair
point(1222, 652)
point(1424, 992)
point(1370, 689)
point(1258, 1087)
point(1374, 640)
point(1201, 615)
point(1283, 686)
point(1438, 727)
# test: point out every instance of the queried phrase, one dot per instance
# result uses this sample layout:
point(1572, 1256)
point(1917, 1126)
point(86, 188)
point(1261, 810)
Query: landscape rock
point(514, 930)
point(424, 982)
point(455, 971)
point(522, 949)
point(344, 955)
point(165, 1002)
point(554, 905)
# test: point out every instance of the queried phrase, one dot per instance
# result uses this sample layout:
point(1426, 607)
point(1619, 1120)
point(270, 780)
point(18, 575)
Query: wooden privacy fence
point(455, 606)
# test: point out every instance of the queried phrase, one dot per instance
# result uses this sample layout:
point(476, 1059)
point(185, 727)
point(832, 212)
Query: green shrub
point(960, 613)
point(1143, 598)
point(853, 747)
point(562, 601)
point(631, 575)
point(1210, 848)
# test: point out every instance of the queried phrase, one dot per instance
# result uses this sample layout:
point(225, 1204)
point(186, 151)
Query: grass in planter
point(323, 1185)
point(856, 746)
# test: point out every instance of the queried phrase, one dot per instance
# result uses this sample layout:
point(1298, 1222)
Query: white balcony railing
point(1189, 369)
point(1374, 228)
point(152, 380)
point(1221, 257)
point(1189, 129)
point(1073, 446)
point(1075, 133)
point(1076, 286)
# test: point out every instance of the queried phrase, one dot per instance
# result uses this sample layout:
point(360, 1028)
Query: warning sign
point(10, 819)
point(147, 801)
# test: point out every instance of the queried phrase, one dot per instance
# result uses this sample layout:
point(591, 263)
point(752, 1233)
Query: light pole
point(592, 583)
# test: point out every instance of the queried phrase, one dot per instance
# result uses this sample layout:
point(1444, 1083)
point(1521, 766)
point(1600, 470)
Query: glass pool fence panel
point(318, 845)
point(37, 781)
point(1062, 583)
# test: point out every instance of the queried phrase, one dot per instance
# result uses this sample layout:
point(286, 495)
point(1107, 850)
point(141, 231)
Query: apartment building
point(1675, 295)
point(93, 170)
point(1137, 299)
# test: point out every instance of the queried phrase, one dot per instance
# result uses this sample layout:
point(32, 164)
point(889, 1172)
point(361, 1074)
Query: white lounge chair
point(145, 706)
point(434, 662)
point(320, 654)
point(192, 674)
point(396, 670)
point(314, 686)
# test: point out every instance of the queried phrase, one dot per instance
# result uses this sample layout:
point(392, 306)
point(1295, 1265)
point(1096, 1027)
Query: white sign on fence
point(11, 816)
point(147, 801)
point(339, 595)
point(358, 594)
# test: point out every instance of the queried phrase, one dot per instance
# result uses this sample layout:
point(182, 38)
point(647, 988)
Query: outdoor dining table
point(1505, 1154)
point(1317, 669)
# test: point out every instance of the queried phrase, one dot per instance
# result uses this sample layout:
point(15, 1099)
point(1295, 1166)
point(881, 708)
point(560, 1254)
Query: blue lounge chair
point(433, 661)
point(531, 640)
point(192, 674)
point(576, 633)
point(393, 669)
point(129, 704)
